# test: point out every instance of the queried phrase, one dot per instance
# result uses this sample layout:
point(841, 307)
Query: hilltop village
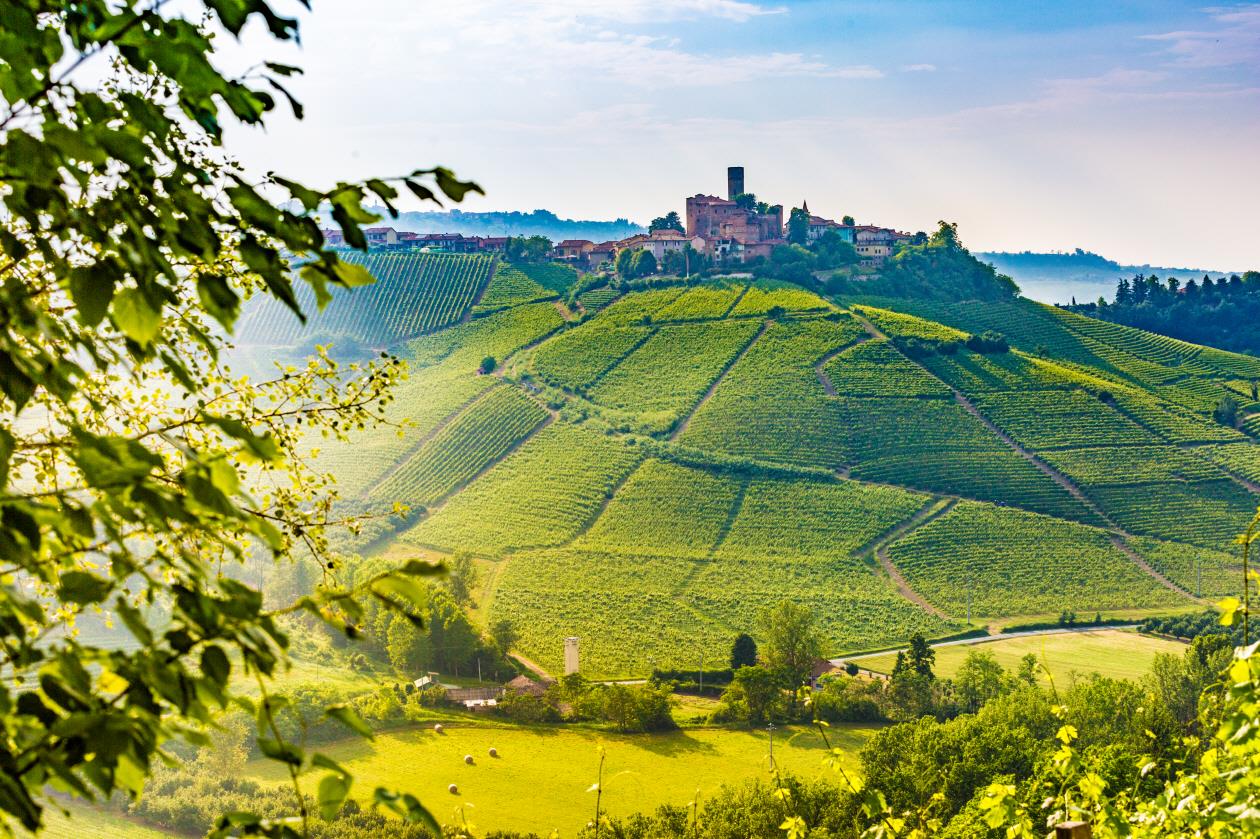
point(738, 230)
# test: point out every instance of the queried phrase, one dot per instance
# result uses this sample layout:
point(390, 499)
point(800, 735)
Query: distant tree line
point(1222, 313)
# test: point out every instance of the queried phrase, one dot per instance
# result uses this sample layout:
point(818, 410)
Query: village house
point(333, 237)
point(381, 236)
point(875, 244)
point(574, 251)
point(660, 242)
point(819, 226)
point(601, 253)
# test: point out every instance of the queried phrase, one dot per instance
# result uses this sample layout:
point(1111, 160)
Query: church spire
point(805, 206)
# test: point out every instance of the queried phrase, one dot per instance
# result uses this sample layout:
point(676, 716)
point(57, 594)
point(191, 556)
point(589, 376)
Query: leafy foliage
point(130, 459)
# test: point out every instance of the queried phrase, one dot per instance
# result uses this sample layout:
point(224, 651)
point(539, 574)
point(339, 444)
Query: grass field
point(84, 821)
point(1118, 653)
point(540, 780)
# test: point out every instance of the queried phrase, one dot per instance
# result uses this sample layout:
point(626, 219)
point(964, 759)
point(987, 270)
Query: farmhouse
point(876, 244)
point(378, 236)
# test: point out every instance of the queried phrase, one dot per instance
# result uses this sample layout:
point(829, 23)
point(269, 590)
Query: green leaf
point(220, 300)
point(135, 318)
point(404, 587)
point(83, 588)
point(1229, 609)
point(350, 718)
point(215, 665)
point(6, 454)
point(281, 751)
point(92, 289)
point(112, 461)
point(333, 790)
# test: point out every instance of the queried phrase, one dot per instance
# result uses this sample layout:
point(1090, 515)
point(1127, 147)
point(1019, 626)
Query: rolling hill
point(650, 473)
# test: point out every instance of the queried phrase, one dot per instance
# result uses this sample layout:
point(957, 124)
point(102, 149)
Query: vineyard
point(510, 286)
point(668, 373)
point(475, 439)
point(653, 473)
point(414, 293)
point(542, 494)
point(1009, 562)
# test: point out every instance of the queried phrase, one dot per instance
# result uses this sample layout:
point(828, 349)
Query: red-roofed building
point(378, 236)
point(492, 244)
point(574, 250)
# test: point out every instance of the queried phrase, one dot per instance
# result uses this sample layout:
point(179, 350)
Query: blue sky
point(1130, 128)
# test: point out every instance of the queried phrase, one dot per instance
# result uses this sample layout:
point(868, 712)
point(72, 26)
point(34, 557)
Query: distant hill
point(1079, 274)
point(650, 474)
point(514, 223)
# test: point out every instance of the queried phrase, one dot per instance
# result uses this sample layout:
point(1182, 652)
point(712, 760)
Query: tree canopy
point(130, 454)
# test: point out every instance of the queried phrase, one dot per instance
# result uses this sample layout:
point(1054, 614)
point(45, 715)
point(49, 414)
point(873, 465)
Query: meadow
point(1115, 653)
point(540, 780)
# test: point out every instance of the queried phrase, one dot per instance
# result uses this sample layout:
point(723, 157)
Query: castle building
point(729, 229)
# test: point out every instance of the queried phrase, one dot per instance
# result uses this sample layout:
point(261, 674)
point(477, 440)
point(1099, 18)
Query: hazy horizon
point(1124, 130)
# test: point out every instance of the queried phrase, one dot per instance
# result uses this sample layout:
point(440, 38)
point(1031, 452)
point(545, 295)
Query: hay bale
point(453, 790)
point(437, 726)
point(494, 752)
point(468, 759)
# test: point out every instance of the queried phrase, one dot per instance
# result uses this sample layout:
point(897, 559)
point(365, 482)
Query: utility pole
point(478, 669)
point(770, 728)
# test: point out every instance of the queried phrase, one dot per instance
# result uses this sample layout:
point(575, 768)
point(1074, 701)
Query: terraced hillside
point(414, 293)
point(649, 476)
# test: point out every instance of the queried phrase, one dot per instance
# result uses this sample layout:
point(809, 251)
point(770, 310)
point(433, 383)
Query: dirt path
point(708, 394)
point(564, 311)
point(934, 509)
point(828, 387)
point(1119, 537)
point(531, 665)
point(736, 301)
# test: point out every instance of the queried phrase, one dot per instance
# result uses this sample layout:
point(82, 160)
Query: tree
point(461, 580)
point(979, 679)
point(746, 201)
point(1028, 667)
point(848, 221)
point(798, 226)
point(754, 697)
point(920, 657)
point(130, 242)
point(743, 651)
point(642, 264)
point(407, 646)
point(1226, 412)
point(527, 248)
point(669, 221)
point(623, 264)
point(504, 635)
point(792, 643)
point(487, 365)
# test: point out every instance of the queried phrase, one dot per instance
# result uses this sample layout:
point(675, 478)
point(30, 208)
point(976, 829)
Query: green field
point(1119, 654)
point(540, 780)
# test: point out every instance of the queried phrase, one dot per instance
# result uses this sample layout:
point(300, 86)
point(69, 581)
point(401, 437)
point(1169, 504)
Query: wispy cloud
point(1232, 39)
point(918, 68)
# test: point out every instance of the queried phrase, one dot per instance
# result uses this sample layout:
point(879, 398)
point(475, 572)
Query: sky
point(1128, 128)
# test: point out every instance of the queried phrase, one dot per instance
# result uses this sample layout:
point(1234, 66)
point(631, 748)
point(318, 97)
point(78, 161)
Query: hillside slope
point(652, 476)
